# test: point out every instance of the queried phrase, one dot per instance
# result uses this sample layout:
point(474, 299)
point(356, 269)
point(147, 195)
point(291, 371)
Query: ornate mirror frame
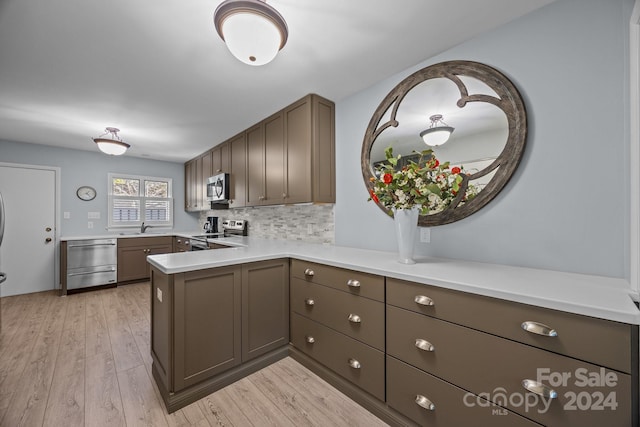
point(508, 100)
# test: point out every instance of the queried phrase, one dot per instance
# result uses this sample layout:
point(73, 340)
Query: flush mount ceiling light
point(438, 132)
point(113, 145)
point(253, 31)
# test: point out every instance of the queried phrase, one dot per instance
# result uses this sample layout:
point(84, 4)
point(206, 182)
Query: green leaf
point(434, 189)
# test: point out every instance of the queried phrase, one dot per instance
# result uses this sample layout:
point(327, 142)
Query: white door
point(28, 249)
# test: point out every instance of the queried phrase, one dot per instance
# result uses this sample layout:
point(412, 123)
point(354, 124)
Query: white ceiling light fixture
point(113, 146)
point(253, 31)
point(438, 132)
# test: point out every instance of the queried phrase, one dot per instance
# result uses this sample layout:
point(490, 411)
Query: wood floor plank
point(141, 405)
point(255, 405)
point(65, 406)
point(29, 400)
point(293, 403)
point(330, 401)
point(125, 351)
point(96, 333)
point(221, 411)
point(103, 405)
point(59, 366)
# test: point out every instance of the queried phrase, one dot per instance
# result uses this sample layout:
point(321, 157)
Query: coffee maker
point(211, 225)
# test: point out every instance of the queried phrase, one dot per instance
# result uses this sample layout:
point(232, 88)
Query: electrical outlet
point(67, 215)
point(159, 294)
point(425, 235)
point(93, 215)
point(90, 224)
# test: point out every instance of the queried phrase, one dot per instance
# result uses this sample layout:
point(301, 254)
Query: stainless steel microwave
point(218, 188)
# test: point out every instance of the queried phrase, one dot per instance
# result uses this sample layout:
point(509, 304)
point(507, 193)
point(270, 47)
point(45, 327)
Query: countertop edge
point(595, 296)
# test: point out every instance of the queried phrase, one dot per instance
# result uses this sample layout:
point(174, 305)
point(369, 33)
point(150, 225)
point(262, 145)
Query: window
point(137, 199)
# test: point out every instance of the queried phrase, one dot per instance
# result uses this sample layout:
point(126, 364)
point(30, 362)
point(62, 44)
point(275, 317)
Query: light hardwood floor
point(84, 360)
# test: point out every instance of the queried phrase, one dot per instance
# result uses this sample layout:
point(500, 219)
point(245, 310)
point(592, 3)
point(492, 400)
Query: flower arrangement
point(427, 183)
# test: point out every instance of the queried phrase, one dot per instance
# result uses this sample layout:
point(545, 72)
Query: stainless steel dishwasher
point(91, 263)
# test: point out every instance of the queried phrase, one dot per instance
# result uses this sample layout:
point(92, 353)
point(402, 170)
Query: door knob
point(47, 240)
point(47, 229)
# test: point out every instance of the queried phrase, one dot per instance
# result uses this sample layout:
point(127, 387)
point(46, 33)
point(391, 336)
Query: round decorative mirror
point(469, 114)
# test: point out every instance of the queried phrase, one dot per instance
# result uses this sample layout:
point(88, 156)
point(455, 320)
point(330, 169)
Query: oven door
point(199, 245)
point(218, 188)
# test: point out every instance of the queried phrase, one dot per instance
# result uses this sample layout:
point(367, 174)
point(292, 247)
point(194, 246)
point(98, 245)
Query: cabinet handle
point(309, 339)
point(309, 272)
point(539, 389)
point(354, 318)
point(284, 195)
point(425, 403)
point(424, 345)
point(309, 302)
point(422, 300)
point(179, 241)
point(538, 329)
point(354, 364)
point(353, 283)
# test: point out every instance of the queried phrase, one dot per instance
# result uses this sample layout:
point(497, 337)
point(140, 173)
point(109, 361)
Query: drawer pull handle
point(354, 363)
point(539, 329)
point(309, 272)
point(539, 389)
point(354, 318)
point(424, 345)
point(353, 283)
point(309, 339)
point(425, 403)
point(309, 302)
point(422, 300)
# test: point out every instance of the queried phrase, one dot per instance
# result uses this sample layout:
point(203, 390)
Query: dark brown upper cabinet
point(287, 158)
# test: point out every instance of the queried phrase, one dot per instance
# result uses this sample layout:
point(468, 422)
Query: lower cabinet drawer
point(358, 317)
point(351, 359)
point(408, 388)
point(487, 365)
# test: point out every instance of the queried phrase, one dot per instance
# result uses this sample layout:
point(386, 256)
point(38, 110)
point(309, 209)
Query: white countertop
point(132, 233)
point(601, 297)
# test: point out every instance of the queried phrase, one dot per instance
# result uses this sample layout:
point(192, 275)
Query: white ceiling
point(160, 73)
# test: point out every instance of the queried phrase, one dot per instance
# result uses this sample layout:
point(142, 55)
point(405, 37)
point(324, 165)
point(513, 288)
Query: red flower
point(387, 178)
point(373, 196)
point(455, 169)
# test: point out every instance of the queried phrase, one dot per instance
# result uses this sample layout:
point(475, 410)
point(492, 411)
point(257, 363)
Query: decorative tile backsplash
point(308, 222)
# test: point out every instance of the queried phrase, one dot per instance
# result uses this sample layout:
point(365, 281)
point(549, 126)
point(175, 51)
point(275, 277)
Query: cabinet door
point(255, 165)
point(132, 263)
point(274, 152)
point(224, 158)
point(207, 324)
point(190, 171)
point(220, 159)
point(155, 250)
point(265, 307)
point(238, 171)
point(205, 172)
point(298, 136)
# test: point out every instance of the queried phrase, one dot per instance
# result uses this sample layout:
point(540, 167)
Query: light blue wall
point(567, 206)
point(87, 168)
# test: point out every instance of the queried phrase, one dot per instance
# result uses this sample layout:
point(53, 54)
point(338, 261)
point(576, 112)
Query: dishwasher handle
point(91, 244)
point(84, 273)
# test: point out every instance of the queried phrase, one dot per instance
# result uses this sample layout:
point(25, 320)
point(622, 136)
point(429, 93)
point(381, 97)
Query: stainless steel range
point(230, 227)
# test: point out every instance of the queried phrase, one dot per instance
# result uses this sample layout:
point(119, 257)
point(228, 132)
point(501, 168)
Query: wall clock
point(86, 193)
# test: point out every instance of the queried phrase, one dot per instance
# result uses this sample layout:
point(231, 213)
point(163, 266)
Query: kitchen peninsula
point(353, 317)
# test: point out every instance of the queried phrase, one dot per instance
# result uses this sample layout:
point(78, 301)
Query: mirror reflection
point(479, 135)
point(469, 114)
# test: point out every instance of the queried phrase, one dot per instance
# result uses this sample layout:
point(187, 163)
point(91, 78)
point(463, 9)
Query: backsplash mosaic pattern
point(308, 222)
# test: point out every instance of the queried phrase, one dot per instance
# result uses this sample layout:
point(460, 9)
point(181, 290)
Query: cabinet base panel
point(364, 399)
point(175, 401)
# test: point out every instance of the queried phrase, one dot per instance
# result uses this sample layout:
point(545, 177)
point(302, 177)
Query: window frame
point(141, 198)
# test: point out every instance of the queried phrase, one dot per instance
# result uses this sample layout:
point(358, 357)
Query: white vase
point(406, 221)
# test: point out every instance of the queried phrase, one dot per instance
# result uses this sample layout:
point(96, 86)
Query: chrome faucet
point(143, 227)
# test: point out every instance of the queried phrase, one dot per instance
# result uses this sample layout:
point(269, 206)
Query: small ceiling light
point(113, 145)
point(253, 31)
point(438, 132)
